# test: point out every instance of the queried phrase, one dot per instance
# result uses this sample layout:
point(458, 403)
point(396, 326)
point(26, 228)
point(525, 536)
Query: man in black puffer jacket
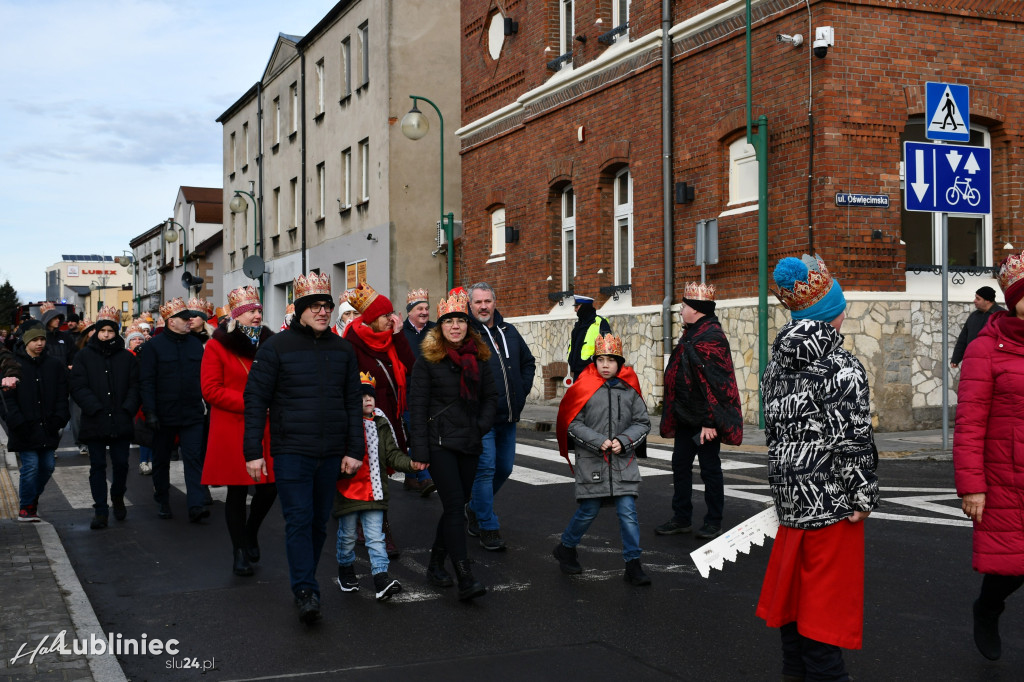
point(308, 380)
point(172, 402)
point(105, 383)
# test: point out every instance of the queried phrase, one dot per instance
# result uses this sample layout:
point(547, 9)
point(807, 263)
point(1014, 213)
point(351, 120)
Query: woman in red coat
point(226, 363)
point(988, 454)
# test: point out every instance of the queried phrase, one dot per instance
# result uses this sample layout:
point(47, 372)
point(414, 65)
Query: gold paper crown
point(289, 309)
point(46, 307)
point(133, 330)
point(609, 345)
point(367, 378)
point(244, 296)
point(85, 323)
point(1011, 271)
point(173, 307)
point(110, 314)
point(417, 295)
point(805, 294)
point(312, 285)
point(457, 303)
point(699, 291)
point(222, 311)
point(199, 305)
point(361, 297)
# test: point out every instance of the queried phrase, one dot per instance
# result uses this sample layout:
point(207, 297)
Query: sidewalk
point(41, 598)
point(916, 445)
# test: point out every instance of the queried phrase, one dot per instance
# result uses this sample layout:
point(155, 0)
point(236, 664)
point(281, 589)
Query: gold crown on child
point(312, 284)
point(110, 314)
point(368, 379)
point(805, 294)
point(608, 345)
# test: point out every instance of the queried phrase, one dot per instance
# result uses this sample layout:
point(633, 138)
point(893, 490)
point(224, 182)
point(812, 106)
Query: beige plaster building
point(341, 190)
point(87, 280)
point(197, 249)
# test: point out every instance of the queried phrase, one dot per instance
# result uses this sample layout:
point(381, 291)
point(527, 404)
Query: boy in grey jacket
point(604, 411)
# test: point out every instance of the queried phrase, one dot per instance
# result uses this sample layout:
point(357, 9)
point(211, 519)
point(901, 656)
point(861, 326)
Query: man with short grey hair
point(513, 367)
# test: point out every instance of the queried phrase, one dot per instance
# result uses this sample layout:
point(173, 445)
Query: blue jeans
point(191, 443)
point(629, 527)
point(373, 531)
point(145, 454)
point(36, 469)
point(98, 471)
point(492, 470)
point(305, 486)
point(683, 452)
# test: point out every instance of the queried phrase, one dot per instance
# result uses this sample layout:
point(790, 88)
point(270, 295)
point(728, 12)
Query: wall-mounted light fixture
point(511, 234)
point(511, 26)
point(684, 193)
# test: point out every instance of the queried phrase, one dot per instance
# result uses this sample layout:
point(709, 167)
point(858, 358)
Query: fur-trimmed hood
point(238, 343)
point(433, 349)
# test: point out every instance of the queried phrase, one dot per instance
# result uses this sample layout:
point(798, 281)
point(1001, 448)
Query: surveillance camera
point(796, 40)
point(820, 48)
point(824, 38)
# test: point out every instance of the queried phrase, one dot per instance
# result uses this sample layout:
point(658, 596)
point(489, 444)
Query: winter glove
point(152, 422)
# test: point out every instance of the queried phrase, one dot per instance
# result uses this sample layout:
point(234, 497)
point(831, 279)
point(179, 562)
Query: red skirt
point(816, 579)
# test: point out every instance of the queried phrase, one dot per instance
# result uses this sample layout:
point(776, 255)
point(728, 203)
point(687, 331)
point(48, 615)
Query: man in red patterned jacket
point(702, 411)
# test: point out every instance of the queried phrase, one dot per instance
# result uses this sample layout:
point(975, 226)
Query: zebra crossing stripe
point(73, 482)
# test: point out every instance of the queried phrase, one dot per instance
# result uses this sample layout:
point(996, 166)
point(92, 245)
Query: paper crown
point(200, 306)
point(456, 304)
point(367, 379)
point(46, 307)
point(109, 314)
point(173, 307)
point(1011, 271)
point(362, 296)
point(417, 296)
point(805, 294)
point(312, 285)
point(243, 299)
point(608, 345)
point(289, 309)
point(85, 323)
point(222, 311)
point(699, 291)
point(134, 331)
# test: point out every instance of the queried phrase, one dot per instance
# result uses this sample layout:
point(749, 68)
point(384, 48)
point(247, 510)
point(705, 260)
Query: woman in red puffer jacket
point(988, 455)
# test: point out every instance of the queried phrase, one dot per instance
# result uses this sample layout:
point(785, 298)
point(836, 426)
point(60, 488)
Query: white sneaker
point(83, 450)
point(146, 468)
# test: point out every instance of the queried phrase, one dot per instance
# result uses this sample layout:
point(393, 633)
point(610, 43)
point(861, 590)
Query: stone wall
point(899, 342)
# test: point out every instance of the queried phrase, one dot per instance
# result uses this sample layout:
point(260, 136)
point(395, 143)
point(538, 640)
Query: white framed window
point(498, 232)
point(296, 208)
point(293, 91)
point(364, 52)
point(346, 175)
point(742, 172)
point(566, 28)
point(346, 66)
point(568, 238)
point(364, 170)
point(970, 239)
point(622, 192)
point(277, 210)
point(620, 17)
point(321, 190)
point(277, 120)
point(232, 153)
point(245, 144)
point(320, 86)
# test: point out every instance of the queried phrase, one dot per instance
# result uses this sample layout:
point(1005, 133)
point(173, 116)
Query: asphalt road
point(172, 579)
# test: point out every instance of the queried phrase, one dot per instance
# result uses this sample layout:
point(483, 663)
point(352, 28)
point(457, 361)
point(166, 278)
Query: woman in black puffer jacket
point(105, 384)
point(452, 400)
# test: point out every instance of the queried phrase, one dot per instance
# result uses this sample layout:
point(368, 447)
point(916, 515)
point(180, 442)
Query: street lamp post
point(415, 126)
point(127, 261)
point(239, 205)
point(171, 235)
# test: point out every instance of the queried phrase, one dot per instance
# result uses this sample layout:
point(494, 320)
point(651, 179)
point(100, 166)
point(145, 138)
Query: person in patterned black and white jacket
point(821, 470)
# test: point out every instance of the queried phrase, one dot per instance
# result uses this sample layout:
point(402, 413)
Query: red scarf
point(576, 397)
point(381, 342)
point(464, 358)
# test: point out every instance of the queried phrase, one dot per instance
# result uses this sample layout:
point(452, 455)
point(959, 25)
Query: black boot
point(252, 546)
point(436, 574)
point(469, 588)
point(986, 631)
point(120, 512)
point(242, 565)
point(634, 574)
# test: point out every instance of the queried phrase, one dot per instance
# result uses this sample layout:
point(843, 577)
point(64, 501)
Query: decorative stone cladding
point(898, 342)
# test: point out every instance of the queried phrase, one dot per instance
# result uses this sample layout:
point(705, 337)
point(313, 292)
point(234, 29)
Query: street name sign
point(868, 200)
point(947, 178)
point(947, 112)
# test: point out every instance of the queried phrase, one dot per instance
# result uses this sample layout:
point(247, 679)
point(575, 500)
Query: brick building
point(563, 173)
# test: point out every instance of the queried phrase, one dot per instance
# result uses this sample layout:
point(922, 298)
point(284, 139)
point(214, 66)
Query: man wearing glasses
point(308, 381)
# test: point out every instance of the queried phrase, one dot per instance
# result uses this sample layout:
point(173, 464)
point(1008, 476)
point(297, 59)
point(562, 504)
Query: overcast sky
point(109, 107)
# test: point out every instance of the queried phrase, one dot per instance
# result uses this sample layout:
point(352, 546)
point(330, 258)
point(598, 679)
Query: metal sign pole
point(945, 331)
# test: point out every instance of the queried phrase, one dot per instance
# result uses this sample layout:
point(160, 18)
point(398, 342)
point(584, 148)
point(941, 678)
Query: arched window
point(568, 238)
point(622, 199)
point(498, 232)
point(742, 172)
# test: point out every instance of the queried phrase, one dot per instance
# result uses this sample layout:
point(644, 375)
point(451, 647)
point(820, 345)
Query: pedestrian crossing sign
point(947, 112)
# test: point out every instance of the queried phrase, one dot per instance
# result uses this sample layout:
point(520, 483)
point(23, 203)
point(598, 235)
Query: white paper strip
point(737, 539)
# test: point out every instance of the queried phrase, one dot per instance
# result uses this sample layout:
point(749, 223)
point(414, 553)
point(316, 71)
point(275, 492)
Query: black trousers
point(453, 474)
point(244, 531)
point(996, 588)
point(810, 659)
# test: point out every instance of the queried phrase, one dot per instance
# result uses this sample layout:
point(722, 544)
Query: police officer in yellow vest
point(589, 325)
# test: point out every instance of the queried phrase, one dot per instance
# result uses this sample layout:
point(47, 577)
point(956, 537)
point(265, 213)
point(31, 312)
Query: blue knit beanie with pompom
point(791, 270)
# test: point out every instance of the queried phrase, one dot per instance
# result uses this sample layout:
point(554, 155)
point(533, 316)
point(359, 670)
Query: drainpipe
point(302, 145)
point(666, 176)
point(259, 142)
point(760, 142)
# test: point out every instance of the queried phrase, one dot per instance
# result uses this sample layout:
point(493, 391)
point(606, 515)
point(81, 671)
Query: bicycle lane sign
point(947, 178)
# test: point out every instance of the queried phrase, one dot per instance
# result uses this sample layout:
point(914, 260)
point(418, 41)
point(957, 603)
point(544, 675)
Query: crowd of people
point(318, 416)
